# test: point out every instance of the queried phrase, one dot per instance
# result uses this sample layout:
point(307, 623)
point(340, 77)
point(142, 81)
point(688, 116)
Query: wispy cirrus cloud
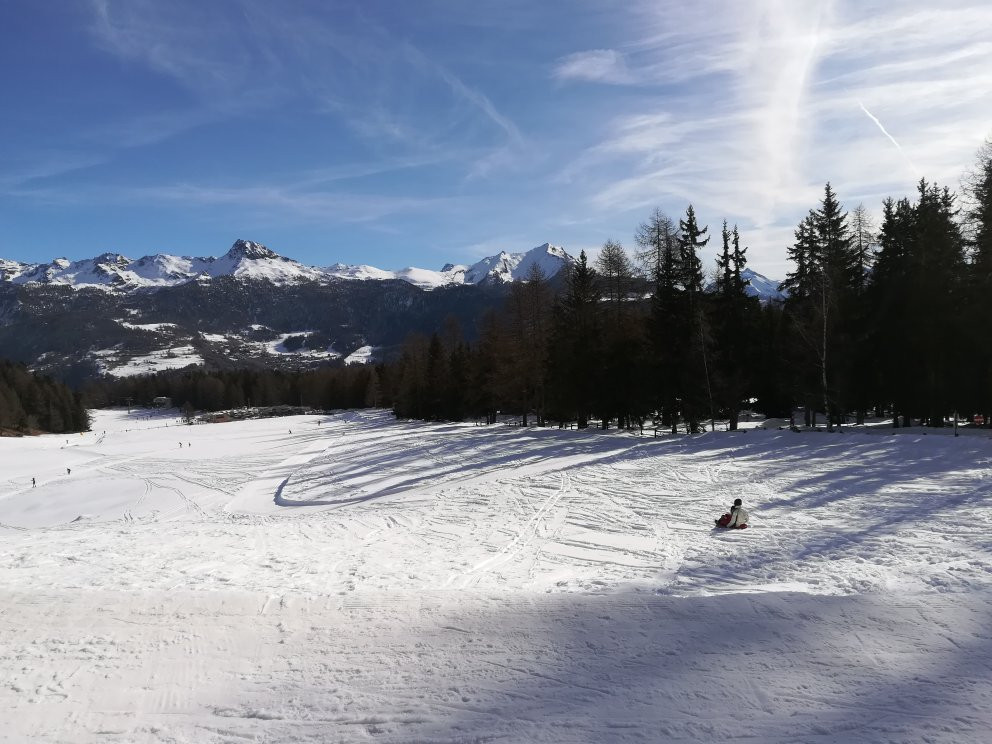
point(595, 65)
point(278, 201)
point(44, 165)
point(266, 56)
point(201, 47)
point(767, 105)
point(266, 202)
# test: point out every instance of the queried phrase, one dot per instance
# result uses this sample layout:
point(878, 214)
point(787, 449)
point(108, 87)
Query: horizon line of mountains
point(117, 273)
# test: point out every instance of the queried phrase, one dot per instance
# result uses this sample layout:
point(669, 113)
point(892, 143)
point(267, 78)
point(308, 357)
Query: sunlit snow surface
point(173, 357)
point(350, 578)
point(361, 355)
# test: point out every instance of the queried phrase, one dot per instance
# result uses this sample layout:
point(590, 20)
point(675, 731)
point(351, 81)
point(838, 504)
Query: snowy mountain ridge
point(117, 273)
point(250, 260)
point(761, 286)
point(758, 285)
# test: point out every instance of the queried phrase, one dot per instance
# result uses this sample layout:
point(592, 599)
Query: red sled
point(724, 521)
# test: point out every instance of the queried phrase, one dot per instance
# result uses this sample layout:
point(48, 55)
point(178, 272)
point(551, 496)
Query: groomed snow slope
point(350, 578)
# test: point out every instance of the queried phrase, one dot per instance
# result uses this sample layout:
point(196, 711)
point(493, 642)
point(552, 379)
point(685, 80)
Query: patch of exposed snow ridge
point(361, 272)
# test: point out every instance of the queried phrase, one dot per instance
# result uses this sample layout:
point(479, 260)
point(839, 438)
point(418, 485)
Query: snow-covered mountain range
point(249, 260)
point(249, 307)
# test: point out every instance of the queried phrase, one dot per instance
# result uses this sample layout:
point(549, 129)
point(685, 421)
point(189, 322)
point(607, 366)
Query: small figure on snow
point(68, 471)
point(32, 483)
point(736, 518)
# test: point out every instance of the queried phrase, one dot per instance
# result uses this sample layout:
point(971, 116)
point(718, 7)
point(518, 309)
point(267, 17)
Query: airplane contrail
point(892, 139)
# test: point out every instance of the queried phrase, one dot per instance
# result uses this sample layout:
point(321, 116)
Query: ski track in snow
point(362, 579)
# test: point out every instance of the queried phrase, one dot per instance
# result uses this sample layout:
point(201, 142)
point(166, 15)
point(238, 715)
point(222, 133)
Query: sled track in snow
point(512, 549)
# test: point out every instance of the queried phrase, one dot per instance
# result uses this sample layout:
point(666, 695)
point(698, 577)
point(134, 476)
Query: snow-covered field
point(171, 357)
point(350, 578)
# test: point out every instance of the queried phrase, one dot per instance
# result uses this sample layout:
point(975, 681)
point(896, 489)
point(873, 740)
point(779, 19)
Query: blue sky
point(416, 133)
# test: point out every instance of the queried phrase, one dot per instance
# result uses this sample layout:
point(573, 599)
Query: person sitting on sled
point(736, 518)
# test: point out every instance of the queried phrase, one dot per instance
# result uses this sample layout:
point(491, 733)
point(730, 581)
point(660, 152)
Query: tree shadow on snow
point(438, 456)
point(633, 666)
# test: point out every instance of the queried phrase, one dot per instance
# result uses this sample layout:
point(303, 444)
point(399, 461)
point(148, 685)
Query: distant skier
point(68, 471)
point(736, 518)
point(180, 445)
point(32, 483)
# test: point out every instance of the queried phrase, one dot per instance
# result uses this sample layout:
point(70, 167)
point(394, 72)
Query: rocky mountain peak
point(250, 250)
point(114, 259)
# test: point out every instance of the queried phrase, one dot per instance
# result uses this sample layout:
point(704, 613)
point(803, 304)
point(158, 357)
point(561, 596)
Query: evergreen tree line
point(600, 350)
point(890, 319)
point(325, 388)
point(31, 403)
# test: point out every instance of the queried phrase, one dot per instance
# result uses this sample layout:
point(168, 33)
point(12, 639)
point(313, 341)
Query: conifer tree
point(887, 332)
point(724, 264)
point(616, 274)
point(837, 274)
point(937, 267)
point(575, 343)
point(864, 239)
point(864, 242)
point(658, 239)
point(622, 342)
point(739, 259)
point(734, 318)
point(979, 216)
point(819, 308)
point(803, 253)
point(527, 317)
point(694, 384)
point(436, 379)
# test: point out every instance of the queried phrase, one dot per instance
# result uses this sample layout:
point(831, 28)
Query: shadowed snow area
point(353, 578)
